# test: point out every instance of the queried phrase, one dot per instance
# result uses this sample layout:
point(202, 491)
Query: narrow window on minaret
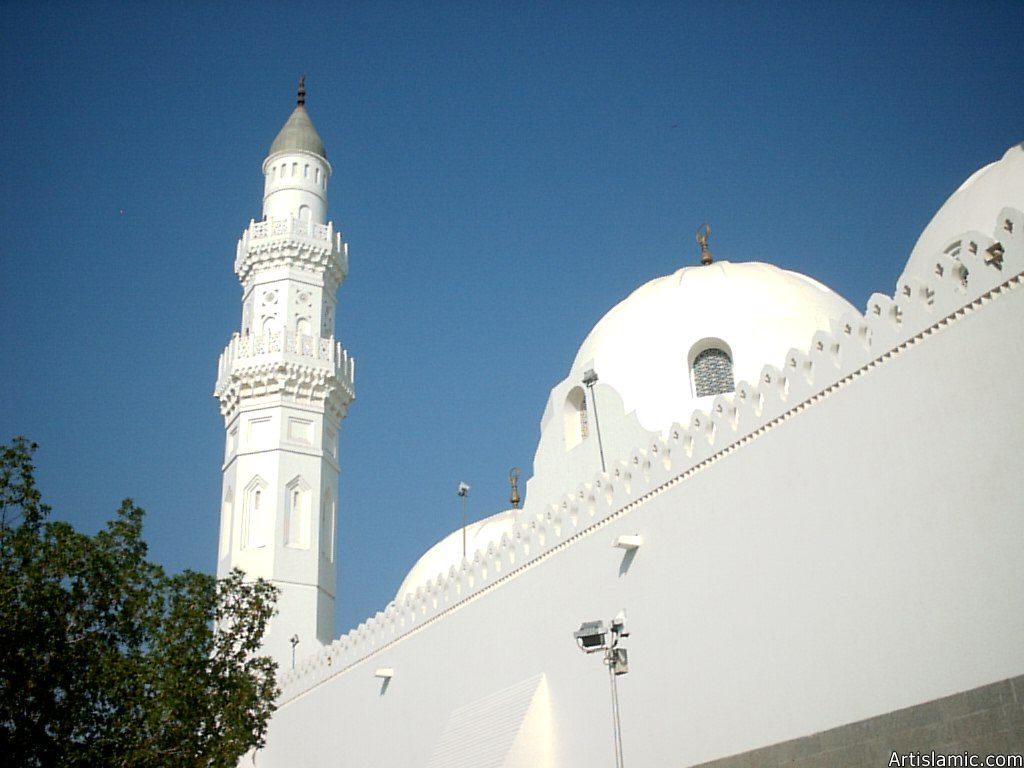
point(294, 519)
point(316, 176)
point(296, 533)
point(251, 519)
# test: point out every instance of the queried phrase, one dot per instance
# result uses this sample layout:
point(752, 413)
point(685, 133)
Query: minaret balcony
point(292, 242)
point(296, 366)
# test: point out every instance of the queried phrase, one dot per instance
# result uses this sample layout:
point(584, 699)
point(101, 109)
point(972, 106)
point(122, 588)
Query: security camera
point(619, 624)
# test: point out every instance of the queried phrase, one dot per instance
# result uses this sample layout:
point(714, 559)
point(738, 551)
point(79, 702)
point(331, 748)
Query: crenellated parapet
point(300, 367)
point(292, 242)
point(970, 271)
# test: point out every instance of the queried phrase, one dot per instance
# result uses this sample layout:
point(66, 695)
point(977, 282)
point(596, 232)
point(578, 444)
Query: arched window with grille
point(711, 372)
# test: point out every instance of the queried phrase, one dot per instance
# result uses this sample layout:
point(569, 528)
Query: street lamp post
point(592, 638)
point(589, 380)
point(463, 492)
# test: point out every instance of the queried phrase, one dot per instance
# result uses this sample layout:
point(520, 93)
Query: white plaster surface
point(859, 556)
point(838, 539)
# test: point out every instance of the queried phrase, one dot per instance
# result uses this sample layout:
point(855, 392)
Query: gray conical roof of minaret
point(298, 132)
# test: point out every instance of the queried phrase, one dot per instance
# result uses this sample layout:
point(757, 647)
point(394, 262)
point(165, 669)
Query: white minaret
point(284, 386)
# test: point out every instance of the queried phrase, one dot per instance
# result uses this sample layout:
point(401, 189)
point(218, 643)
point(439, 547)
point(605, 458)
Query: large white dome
point(645, 346)
point(975, 206)
point(643, 350)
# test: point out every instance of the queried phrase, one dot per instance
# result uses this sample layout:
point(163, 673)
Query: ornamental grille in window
point(712, 373)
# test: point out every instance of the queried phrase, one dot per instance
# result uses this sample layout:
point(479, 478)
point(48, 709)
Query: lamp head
point(590, 635)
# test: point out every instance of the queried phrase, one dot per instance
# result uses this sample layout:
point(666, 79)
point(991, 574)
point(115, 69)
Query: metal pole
point(463, 492)
point(616, 729)
point(597, 425)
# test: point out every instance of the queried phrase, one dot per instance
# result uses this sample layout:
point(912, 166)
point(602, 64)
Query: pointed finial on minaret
point(703, 233)
point(513, 479)
point(302, 91)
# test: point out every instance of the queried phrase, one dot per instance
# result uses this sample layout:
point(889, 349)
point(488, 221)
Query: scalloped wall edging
point(973, 269)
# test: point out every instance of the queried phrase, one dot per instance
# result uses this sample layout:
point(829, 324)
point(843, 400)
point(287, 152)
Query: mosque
point(762, 527)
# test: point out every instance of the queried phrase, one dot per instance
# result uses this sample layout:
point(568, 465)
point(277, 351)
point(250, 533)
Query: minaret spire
point(301, 98)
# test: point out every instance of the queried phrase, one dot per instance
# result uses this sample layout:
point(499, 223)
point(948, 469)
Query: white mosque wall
point(837, 540)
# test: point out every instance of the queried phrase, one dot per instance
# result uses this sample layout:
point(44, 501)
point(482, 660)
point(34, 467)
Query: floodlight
point(463, 489)
point(590, 377)
point(590, 634)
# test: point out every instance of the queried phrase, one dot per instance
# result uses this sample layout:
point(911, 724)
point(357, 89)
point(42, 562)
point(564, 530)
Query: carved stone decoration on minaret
point(284, 386)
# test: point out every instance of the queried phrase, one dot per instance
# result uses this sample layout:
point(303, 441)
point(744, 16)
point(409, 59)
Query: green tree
point(105, 660)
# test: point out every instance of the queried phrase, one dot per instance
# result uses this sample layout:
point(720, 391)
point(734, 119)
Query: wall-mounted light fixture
point(629, 541)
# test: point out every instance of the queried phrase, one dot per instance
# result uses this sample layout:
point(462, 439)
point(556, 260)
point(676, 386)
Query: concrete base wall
point(983, 721)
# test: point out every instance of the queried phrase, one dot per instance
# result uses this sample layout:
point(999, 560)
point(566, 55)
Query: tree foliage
point(105, 660)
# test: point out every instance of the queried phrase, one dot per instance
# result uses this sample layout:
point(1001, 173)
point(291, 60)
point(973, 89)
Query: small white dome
point(975, 206)
point(440, 558)
point(644, 349)
point(645, 346)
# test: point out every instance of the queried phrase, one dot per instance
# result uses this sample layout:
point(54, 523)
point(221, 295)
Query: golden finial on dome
point(703, 233)
point(301, 100)
point(513, 480)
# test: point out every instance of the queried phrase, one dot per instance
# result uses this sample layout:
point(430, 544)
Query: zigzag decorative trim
point(972, 271)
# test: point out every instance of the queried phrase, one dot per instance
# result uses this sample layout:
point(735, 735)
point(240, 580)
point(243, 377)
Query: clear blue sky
point(504, 174)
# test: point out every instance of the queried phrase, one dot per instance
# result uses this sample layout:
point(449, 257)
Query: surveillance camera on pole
point(463, 492)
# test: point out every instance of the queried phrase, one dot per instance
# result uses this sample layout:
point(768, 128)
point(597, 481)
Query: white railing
point(271, 242)
point(287, 344)
point(290, 226)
